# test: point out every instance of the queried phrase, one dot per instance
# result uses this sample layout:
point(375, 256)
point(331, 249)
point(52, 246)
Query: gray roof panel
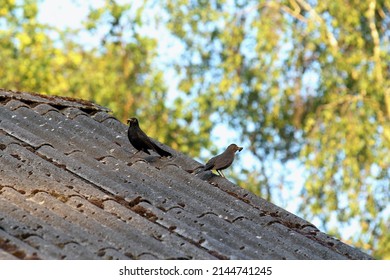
point(70, 189)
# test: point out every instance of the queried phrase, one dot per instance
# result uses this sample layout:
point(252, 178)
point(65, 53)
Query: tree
point(301, 80)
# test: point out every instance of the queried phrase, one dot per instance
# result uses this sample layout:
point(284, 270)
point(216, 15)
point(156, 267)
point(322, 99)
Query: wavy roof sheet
point(69, 189)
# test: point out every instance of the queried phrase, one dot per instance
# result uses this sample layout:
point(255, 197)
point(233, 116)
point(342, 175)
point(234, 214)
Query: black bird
point(221, 161)
point(141, 141)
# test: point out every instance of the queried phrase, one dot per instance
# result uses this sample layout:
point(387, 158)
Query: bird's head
point(234, 148)
point(132, 122)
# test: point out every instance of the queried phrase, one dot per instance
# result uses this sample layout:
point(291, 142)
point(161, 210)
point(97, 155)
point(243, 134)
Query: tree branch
point(377, 52)
point(375, 39)
point(296, 12)
point(332, 40)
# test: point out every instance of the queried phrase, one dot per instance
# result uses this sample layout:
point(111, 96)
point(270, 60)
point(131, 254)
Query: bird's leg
point(220, 173)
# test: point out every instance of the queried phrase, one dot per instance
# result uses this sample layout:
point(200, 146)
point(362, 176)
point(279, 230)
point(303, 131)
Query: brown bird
point(141, 141)
point(221, 161)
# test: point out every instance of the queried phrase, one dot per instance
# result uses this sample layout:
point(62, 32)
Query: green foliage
point(301, 80)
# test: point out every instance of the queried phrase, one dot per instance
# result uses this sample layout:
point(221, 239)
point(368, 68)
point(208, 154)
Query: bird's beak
point(128, 121)
point(240, 149)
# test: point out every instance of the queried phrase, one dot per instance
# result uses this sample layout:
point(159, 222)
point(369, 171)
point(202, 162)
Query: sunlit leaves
point(30, 10)
point(258, 55)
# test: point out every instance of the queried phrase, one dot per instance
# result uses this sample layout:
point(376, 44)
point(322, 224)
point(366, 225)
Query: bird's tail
point(196, 169)
point(161, 152)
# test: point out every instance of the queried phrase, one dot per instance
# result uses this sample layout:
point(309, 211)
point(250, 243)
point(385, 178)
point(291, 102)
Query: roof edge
point(59, 102)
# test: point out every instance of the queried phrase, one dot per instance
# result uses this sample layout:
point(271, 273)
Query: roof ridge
point(59, 102)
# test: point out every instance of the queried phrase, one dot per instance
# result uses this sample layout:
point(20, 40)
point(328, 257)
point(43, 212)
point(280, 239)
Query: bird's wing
point(210, 164)
point(145, 139)
point(224, 160)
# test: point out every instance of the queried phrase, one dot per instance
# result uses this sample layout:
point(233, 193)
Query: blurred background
point(302, 85)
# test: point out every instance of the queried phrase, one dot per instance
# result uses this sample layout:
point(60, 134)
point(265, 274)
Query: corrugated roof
point(69, 189)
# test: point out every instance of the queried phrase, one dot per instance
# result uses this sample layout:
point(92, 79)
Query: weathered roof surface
point(69, 189)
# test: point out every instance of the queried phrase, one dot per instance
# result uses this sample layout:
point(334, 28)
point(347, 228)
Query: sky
point(70, 14)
